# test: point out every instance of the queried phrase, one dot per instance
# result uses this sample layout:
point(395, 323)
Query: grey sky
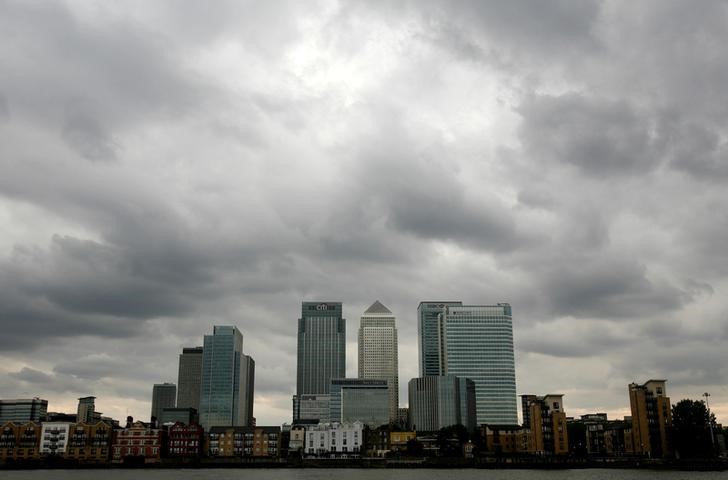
point(168, 166)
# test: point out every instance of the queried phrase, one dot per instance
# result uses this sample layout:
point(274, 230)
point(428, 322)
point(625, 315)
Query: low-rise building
point(23, 410)
point(244, 442)
point(185, 440)
point(90, 443)
point(398, 440)
point(138, 442)
point(506, 439)
point(335, 440)
point(55, 438)
point(19, 442)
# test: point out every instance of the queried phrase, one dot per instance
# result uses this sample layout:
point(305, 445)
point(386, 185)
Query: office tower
point(321, 350)
point(189, 377)
point(227, 386)
point(23, 410)
point(86, 409)
point(429, 332)
point(437, 402)
point(163, 396)
point(547, 424)
point(651, 418)
point(378, 351)
point(475, 342)
point(359, 399)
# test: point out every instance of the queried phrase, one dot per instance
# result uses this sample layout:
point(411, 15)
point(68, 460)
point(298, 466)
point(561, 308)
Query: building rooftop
point(377, 307)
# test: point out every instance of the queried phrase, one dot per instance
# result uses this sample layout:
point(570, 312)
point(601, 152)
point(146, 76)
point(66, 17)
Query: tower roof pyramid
point(377, 307)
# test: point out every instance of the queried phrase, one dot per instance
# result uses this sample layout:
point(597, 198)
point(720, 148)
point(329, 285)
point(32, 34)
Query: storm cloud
point(166, 167)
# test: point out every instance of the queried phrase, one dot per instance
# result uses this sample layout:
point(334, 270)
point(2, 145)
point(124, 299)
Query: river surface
point(358, 474)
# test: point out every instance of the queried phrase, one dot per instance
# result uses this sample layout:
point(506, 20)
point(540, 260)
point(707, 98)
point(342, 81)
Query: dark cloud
point(167, 167)
point(599, 137)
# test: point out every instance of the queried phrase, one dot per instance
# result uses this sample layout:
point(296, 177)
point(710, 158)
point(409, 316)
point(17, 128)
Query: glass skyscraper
point(441, 401)
point(475, 342)
point(321, 349)
point(164, 396)
point(227, 380)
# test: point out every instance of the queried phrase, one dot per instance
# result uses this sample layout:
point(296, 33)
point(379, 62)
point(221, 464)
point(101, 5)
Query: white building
point(54, 438)
point(378, 358)
point(335, 439)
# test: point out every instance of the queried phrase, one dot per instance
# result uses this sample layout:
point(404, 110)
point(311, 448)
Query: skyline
point(166, 167)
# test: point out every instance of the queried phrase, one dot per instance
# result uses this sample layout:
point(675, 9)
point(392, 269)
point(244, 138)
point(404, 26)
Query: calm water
point(358, 474)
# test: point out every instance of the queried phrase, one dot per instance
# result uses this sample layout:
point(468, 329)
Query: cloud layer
point(165, 169)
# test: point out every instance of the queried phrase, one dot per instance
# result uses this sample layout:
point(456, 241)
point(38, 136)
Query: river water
point(358, 474)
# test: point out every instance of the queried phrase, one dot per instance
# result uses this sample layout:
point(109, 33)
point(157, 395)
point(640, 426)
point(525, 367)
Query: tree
point(691, 434)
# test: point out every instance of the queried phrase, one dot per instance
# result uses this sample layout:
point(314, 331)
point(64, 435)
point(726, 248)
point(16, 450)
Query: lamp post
point(710, 423)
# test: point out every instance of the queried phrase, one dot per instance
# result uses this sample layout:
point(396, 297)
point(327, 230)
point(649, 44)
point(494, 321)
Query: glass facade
point(23, 410)
point(226, 380)
point(429, 332)
point(479, 346)
point(321, 347)
point(441, 401)
point(362, 400)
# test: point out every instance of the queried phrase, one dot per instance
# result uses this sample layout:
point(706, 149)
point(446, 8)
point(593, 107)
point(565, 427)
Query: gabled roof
point(377, 307)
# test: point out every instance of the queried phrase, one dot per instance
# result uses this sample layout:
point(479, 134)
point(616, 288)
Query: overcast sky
point(169, 166)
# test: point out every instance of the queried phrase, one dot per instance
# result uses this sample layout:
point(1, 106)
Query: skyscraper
point(189, 377)
point(475, 342)
point(321, 349)
point(227, 383)
point(429, 331)
point(163, 396)
point(378, 358)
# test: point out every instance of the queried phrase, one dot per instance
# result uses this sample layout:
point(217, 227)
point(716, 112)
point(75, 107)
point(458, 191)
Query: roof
point(377, 307)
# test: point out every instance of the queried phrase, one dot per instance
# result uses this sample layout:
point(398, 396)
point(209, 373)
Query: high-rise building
point(23, 410)
point(321, 349)
point(227, 383)
point(378, 351)
point(86, 409)
point(547, 424)
point(429, 331)
point(189, 377)
point(475, 342)
point(651, 418)
point(358, 399)
point(437, 402)
point(163, 396)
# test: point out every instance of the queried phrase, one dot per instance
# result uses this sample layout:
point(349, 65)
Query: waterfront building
point(651, 418)
point(164, 396)
point(398, 440)
point(549, 434)
point(19, 441)
point(378, 351)
point(506, 439)
point(475, 342)
point(86, 410)
point(185, 440)
point(90, 443)
point(244, 442)
point(23, 410)
point(334, 440)
point(437, 402)
point(138, 440)
point(54, 438)
point(321, 351)
point(358, 399)
point(228, 377)
point(189, 377)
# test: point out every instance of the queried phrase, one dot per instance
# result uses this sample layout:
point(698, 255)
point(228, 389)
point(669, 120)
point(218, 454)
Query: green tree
point(691, 434)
